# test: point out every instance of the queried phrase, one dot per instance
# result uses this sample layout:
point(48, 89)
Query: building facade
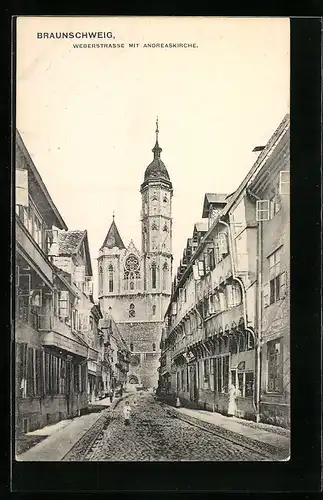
point(51, 349)
point(135, 285)
point(271, 192)
point(226, 323)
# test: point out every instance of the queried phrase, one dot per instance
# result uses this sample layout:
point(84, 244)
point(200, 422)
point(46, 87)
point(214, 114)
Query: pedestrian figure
point(126, 413)
point(111, 396)
point(233, 393)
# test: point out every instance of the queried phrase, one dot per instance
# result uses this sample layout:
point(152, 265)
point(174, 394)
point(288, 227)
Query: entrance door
point(193, 384)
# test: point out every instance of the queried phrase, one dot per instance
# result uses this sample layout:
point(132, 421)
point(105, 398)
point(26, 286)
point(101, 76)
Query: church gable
point(132, 269)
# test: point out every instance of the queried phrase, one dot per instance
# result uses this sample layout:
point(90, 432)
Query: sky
point(87, 115)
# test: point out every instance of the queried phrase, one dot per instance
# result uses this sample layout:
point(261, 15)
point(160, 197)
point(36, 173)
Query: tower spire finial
point(157, 149)
point(113, 215)
point(157, 129)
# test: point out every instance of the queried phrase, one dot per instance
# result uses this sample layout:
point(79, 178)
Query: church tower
point(134, 284)
point(156, 192)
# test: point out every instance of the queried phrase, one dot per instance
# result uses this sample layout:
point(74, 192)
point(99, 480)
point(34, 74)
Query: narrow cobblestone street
point(156, 435)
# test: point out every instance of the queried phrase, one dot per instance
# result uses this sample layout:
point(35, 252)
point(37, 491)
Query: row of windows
point(218, 301)
point(132, 310)
point(36, 226)
point(213, 373)
point(39, 373)
point(132, 278)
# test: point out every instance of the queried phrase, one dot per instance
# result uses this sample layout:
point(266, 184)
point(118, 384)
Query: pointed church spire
point(157, 149)
point(113, 238)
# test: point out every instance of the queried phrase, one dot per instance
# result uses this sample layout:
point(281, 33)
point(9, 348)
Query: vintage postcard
point(152, 317)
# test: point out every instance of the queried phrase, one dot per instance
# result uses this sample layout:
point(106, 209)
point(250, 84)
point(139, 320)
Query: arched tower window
point(132, 311)
point(154, 346)
point(165, 276)
point(110, 270)
point(154, 310)
point(100, 277)
point(153, 275)
point(131, 346)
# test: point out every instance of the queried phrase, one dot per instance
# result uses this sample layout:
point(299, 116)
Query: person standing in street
point(233, 393)
point(111, 396)
point(126, 413)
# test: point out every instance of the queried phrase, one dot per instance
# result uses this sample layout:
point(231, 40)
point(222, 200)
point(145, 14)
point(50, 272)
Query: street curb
point(79, 449)
point(269, 451)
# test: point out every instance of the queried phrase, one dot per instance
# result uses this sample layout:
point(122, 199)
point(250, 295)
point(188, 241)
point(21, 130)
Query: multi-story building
point(136, 284)
point(55, 335)
point(270, 190)
point(50, 360)
point(116, 357)
point(71, 254)
point(215, 320)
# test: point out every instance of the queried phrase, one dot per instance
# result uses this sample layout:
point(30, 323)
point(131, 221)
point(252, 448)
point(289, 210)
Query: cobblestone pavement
point(155, 435)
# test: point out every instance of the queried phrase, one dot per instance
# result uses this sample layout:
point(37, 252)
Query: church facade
point(135, 284)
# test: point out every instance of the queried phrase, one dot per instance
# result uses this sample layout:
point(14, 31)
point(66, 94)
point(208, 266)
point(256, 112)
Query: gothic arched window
point(154, 226)
point(110, 269)
point(100, 277)
point(154, 310)
point(154, 346)
point(165, 199)
point(132, 311)
point(131, 346)
point(153, 275)
point(131, 272)
point(165, 276)
point(165, 228)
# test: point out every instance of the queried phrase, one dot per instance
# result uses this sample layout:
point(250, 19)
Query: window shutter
point(266, 294)
point(222, 301)
point(51, 238)
point(63, 304)
point(174, 308)
point(230, 302)
point(79, 274)
point(282, 285)
point(196, 274)
point(22, 187)
point(206, 261)
point(284, 182)
point(211, 304)
point(200, 264)
point(223, 243)
point(89, 286)
point(262, 210)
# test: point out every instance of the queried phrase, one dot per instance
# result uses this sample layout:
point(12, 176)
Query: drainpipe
point(256, 391)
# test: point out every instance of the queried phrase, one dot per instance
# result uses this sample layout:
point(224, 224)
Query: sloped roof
point(201, 226)
point(214, 198)
point(70, 241)
point(113, 238)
